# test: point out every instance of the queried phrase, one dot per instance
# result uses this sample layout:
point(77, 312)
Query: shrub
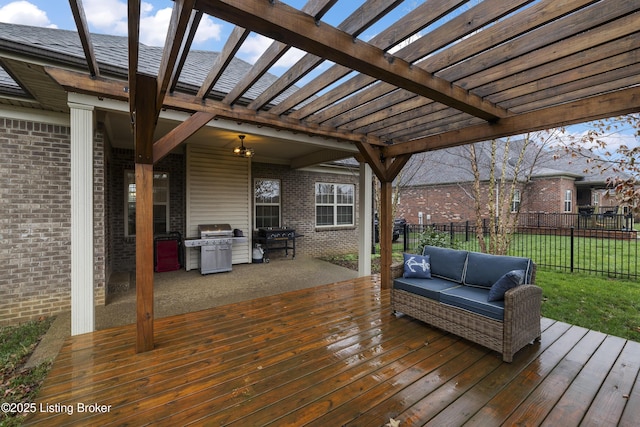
point(432, 237)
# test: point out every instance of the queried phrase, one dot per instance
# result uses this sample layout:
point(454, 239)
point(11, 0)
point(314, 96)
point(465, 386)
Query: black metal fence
point(610, 252)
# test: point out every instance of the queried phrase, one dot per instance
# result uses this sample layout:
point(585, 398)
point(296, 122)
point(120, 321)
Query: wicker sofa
point(455, 298)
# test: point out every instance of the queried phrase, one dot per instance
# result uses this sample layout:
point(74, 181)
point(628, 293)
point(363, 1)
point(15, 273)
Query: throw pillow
point(503, 284)
point(418, 266)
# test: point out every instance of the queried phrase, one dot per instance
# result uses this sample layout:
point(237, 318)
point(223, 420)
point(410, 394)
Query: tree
point(618, 157)
point(510, 167)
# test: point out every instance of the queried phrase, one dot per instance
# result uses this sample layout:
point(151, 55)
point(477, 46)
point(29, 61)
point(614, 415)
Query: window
point(568, 197)
point(267, 203)
point(334, 204)
point(160, 203)
point(515, 203)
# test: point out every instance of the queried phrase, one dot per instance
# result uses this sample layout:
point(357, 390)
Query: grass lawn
point(20, 384)
point(606, 305)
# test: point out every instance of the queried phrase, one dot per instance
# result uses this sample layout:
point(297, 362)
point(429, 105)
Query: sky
point(110, 17)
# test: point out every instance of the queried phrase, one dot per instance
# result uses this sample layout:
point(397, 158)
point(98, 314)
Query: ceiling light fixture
point(241, 150)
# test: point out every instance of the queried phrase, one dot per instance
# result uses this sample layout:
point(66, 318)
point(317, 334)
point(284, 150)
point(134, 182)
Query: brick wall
point(35, 213)
point(298, 209)
point(455, 203)
point(123, 249)
point(547, 195)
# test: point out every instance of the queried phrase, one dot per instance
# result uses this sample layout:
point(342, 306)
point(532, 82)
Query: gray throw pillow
point(503, 284)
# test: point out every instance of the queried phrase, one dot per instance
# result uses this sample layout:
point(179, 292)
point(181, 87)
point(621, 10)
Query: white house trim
point(82, 294)
point(365, 206)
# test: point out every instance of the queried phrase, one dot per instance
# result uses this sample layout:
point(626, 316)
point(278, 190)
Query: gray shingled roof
point(63, 46)
point(452, 165)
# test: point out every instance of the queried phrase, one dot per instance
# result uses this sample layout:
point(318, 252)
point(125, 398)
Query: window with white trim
point(335, 204)
point(515, 203)
point(266, 202)
point(160, 203)
point(568, 200)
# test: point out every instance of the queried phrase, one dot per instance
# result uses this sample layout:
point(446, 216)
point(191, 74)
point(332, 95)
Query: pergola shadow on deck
point(335, 355)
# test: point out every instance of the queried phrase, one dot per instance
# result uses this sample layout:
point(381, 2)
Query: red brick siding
point(455, 203)
point(298, 209)
point(35, 213)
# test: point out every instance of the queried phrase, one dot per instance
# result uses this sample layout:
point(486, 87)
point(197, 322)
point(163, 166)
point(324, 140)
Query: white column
point(82, 300)
point(366, 220)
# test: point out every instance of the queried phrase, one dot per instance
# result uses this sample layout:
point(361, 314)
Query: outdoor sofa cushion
point(474, 300)
point(483, 270)
point(509, 280)
point(447, 263)
point(426, 288)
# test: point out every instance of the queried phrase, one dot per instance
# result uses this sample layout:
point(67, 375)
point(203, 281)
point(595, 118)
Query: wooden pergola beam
point(117, 89)
point(179, 134)
point(597, 107)
point(80, 18)
point(289, 25)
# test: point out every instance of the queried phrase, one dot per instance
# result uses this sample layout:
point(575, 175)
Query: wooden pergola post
point(144, 124)
point(386, 227)
point(386, 169)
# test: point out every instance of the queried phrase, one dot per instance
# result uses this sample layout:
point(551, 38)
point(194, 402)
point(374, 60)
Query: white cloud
point(107, 15)
point(255, 45)
point(23, 12)
point(292, 56)
point(110, 16)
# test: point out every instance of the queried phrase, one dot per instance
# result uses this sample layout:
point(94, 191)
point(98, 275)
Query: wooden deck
point(331, 356)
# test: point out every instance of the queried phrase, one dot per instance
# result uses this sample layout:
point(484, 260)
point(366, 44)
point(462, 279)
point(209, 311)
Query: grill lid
point(215, 230)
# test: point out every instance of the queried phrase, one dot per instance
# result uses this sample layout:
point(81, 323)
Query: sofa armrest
point(522, 316)
point(521, 302)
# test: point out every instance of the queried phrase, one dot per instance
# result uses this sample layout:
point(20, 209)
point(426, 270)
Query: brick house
point(437, 186)
point(50, 138)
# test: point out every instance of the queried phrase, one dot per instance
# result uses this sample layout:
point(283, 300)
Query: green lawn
point(607, 305)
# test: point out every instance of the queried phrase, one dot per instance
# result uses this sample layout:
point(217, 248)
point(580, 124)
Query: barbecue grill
point(277, 238)
point(215, 242)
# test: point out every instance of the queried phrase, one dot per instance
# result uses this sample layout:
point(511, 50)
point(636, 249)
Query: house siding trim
point(82, 254)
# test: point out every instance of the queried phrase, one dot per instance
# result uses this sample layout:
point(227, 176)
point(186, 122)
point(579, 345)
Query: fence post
point(466, 231)
point(451, 234)
point(572, 246)
point(405, 237)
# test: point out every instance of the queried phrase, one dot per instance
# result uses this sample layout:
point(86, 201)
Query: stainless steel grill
point(215, 242)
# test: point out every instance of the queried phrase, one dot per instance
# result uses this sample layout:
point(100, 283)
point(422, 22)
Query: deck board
point(335, 355)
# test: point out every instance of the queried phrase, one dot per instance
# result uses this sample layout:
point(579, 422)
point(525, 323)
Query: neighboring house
point(437, 186)
point(200, 182)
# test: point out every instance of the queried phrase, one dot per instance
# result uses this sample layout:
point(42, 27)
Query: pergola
point(476, 71)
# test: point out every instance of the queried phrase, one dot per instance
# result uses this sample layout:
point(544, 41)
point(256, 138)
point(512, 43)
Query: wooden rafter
point(597, 107)
point(196, 16)
point(133, 51)
point(275, 51)
point(115, 89)
point(288, 25)
point(407, 25)
point(80, 18)
point(181, 19)
point(354, 24)
point(463, 24)
point(234, 42)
